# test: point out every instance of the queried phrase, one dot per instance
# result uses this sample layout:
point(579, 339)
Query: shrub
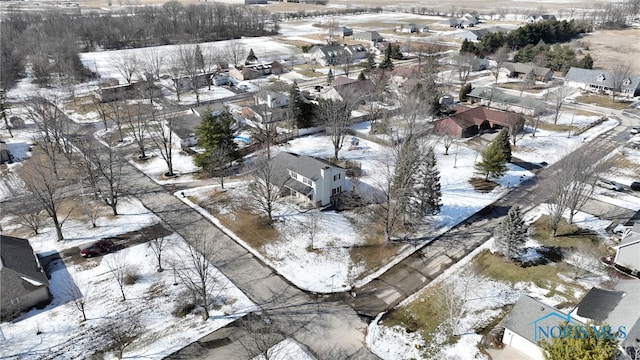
point(131, 275)
point(183, 309)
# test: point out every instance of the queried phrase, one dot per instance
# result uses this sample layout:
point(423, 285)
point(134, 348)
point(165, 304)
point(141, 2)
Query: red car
point(98, 248)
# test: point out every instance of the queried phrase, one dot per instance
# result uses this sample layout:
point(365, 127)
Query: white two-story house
point(313, 180)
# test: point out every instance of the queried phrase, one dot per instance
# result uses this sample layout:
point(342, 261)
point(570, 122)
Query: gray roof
point(631, 238)
point(626, 312)
point(504, 98)
point(525, 68)
point(304, 165)
point(600, 77)
point(186, 125)
point(527, 313)
point(17, 263)
point(635, 219)
point(598, 303)
point(368, 35)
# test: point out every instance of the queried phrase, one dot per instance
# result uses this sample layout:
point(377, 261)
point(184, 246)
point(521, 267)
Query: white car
point(611, 185)
point(635, 130)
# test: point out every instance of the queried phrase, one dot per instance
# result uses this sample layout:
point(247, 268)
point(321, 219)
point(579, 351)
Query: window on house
point(293, 175)
point(336, 177)
point(336, 191)
point(307, 181)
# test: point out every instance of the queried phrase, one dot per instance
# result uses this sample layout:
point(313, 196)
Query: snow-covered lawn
point(155, 167)
point(285, 350)
point(57, 331)
point(325, 264)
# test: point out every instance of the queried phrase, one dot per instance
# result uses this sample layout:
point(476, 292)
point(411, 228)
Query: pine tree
point(370, 64)
point(330, 77)
point(576, 345)
point(396, 53)
point(586, 62)
point(214, 132)
point(251, 58)
point(464, 91)
point(511, 233)
point(427, 193)
point(503, 142)
point(493, 163)
point(361, 76)
point(295, 100)
point(387, 64)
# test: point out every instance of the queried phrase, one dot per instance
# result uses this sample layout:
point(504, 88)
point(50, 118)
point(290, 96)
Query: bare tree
point(175, 70)
point(335, 115)
point(313, 226)
point(191, 68)
point(161, 135)
point(557, 100)
point(620, 77)
point(108, 167)
point(78, 292)
point(126, 64)
point(117, 264)
point(261, 337)
point(447, 140)
point(220, 161)
point(114, 112)
point(30, 216)
point(332, 28)
point(196, 271)
point(152, 63)
point(501, 57)
point(573, 184)
point(345, 61)
point(234, 51)
point(265, 187)
point(453, 298)
point(137, 124)
point(48, 191)
point(158, 243)
point(3, 109)
point(124, 332)
point(463, 64)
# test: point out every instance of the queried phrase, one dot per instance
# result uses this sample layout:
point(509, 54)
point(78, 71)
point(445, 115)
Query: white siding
point(629, 256)
point(521, 344)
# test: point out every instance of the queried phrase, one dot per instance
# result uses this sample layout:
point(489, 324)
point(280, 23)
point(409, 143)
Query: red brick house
point(469, 121)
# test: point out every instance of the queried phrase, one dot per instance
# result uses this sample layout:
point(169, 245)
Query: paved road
point(416, 271)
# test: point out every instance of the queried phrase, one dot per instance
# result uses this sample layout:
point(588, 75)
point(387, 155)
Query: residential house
point(343, 31)
point(423, 29)
point(628, 250)
point(407, 28)
point(535, 18)
point(272, 99)
point(338, 54)
point(529, 322)
point(452, 22)
point(603, 81)
point(313, 180)
point(220, 79)
point(476, 35)
point(255, 71)
point(184, 128)
point(185, 83)
point(618, 308)
point(495, 98)
point(469, 121)
point(134, 90)
point(372, 36)
point(23, 282)
point(522, 70)
point(468, 20)
point(255, 2)
point(344, 87)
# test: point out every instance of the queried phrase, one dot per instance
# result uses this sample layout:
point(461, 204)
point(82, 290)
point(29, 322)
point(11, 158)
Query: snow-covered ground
point(56, 330)
point(285, 350)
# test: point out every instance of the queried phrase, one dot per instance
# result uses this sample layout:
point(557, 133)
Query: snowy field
point(57, 329)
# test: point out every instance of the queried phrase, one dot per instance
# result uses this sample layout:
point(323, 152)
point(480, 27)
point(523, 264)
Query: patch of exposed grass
point(555, 127)
point(481, 185)
point(251, 228)
point(518, 86)
point(604, 101)
point(581, 112)
point(308, 72)
point(568, 235)
point(423, 315)
point(621, 161)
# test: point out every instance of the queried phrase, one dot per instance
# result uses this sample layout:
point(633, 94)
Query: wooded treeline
point(51, 41)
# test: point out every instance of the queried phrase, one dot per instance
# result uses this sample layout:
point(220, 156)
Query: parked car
point(98, 248)
point(635, 130)
point(611, 185)
point(635, 186)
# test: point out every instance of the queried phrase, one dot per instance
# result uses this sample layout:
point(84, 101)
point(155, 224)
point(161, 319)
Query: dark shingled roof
point(304, 165)
point(19, 268)
point(598, 303)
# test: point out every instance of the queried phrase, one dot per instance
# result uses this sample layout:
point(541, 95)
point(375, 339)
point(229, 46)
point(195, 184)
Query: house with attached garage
point(469, 121)
point(372, 36)
point(529, 322)
point(338, 54)
point(314, 181)
point(23, 283)
point(603, 81)
point(498, 99)
point(522, 70)
point(535, 18)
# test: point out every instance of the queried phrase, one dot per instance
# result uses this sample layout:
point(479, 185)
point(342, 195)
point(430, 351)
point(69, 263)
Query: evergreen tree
point(511, 233)
point(503, 142)
point(293, 109)
point(387, 64)
point(213, 133)
point(330, 77)
point(251, 58)
point(370, 64)
point(586, 62)
point(427, 195)
point(361, 76)
point(576, 345)
point(493, 163)
point(396, 53)
point(464, 91)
